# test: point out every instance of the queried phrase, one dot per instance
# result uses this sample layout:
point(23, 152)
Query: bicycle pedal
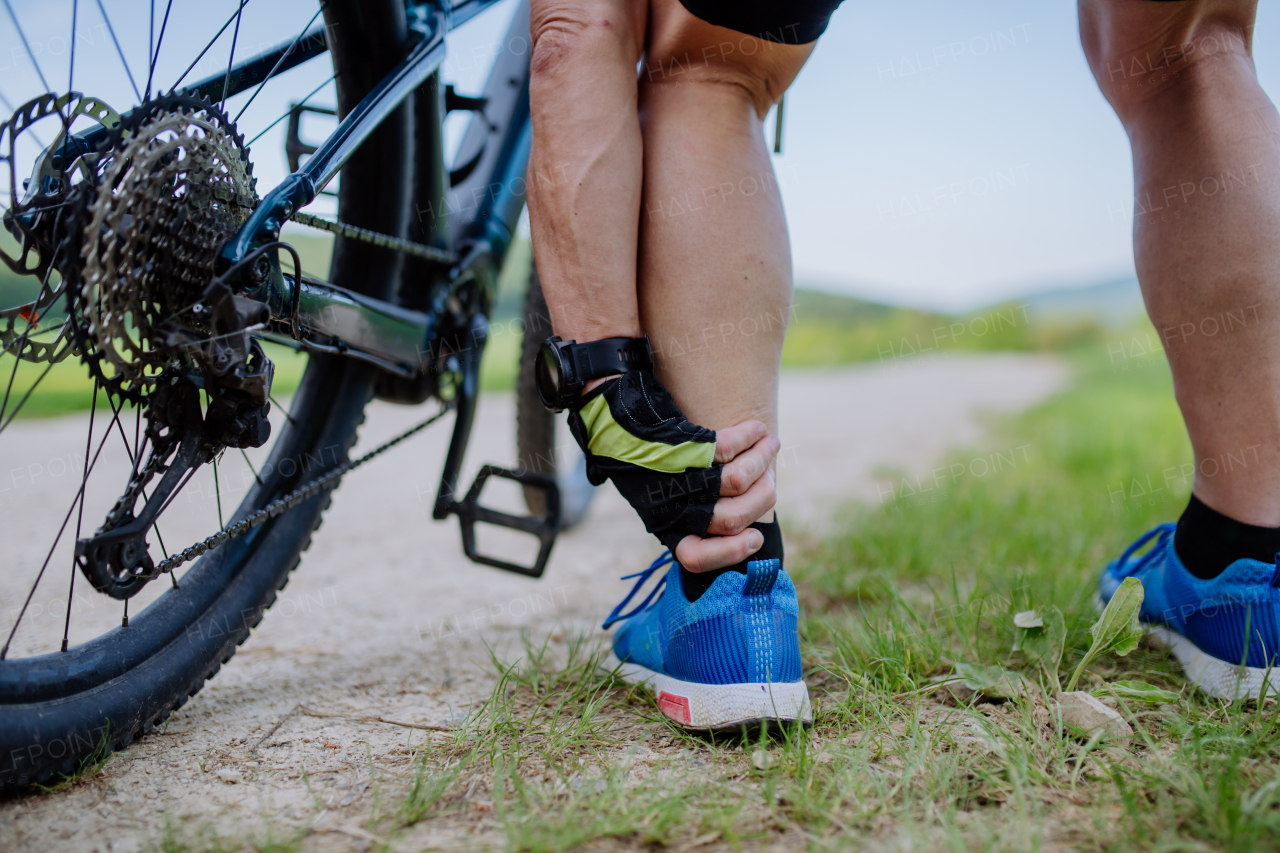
point(545, 527)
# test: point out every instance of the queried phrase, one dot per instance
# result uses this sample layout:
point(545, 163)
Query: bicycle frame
point(359, 326)
point(485, 201)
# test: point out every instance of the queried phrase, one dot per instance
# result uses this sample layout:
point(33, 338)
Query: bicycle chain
point(214, 176)
point(281, 504)
point(315, 486)
point(386, 241)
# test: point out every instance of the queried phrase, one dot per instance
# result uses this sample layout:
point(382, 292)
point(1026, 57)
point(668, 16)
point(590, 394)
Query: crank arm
point(468, 509)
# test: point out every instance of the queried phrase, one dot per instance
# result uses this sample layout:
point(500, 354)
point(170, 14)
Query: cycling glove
point(634, 434)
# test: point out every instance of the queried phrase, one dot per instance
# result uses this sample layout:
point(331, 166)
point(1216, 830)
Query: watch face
point(548, 377)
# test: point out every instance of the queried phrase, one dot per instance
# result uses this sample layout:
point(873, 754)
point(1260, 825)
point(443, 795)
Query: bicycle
point(173, 282)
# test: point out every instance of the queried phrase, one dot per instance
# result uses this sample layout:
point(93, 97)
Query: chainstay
point(386, 241)
point(281, 504)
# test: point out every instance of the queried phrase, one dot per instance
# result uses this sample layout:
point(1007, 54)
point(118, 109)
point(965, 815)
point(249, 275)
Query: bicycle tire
point(58, 710)
point(539, 447)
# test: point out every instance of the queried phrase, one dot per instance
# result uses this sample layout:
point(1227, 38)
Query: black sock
point(696, 583)
point(1207, 541)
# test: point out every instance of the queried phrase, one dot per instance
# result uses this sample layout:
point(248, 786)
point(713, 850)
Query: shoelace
point(1163, 531)
point(665, 560)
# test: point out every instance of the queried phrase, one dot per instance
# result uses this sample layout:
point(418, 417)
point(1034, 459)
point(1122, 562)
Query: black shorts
point(796, 22)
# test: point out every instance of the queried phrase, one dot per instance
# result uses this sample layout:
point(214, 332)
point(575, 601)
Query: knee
point(570, 36)
point(1139, 50)
point(687, 50)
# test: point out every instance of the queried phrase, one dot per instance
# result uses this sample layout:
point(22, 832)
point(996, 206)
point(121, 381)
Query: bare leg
point(585, 166)
point(1206, 153)
point(584, 199)
point(715, 259)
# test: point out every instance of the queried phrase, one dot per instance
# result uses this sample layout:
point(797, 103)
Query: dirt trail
point(387, 621)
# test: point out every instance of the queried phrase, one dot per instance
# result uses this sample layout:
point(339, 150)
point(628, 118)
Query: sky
point(946, 154)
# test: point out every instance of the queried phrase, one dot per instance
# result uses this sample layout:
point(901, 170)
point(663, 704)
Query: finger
point(739, 475)
point(735, 439)
point(732, 515)
point(715, 552)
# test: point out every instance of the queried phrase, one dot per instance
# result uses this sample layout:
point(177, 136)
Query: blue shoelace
point(665, 559)
point(1163, 531)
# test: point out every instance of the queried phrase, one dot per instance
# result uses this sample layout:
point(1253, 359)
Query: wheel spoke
point(137, 434)
point(17, 350)
point(251, 468)
point(332, 77)
point(71, 71)
point(17, 360)
point(191, 472)
point(135, 456)
point(279, 62)
point(151, 42)
point(88, 445)
point(25, 396)
point(217, 491)
point(22, 35)
point(62, 529)
point(119, 52)
point(287, 416)
point(155, 53)
point(231, 60)
point(216, 35)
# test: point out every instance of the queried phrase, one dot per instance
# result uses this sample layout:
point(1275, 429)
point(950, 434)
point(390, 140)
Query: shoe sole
point(714, 707)
point(1217, 677)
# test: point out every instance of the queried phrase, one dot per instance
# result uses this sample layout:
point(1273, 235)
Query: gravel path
point(387, 621)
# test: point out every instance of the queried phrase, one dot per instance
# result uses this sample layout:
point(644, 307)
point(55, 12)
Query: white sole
point(720, 706)
point(1217, 677)
point(1230, 681)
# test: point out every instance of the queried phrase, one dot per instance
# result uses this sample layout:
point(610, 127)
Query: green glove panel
point(634, 434)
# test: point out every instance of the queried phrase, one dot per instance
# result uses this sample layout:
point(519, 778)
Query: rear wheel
point(543, 440)
point(115, 677)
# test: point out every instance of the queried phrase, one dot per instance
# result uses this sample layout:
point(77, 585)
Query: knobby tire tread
point(149, 692)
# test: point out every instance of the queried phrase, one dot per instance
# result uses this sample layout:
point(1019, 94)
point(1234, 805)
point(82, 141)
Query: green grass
point(564, 757)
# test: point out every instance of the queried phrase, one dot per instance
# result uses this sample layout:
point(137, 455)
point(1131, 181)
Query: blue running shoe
point(1223, 631)
point(729, 659)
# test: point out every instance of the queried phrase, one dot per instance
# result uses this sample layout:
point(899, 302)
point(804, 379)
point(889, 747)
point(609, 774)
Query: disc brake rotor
point(38, 209)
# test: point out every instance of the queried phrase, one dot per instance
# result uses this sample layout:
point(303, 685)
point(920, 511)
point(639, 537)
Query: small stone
point(228, 775)
point(1088, 713)
point(761, 760)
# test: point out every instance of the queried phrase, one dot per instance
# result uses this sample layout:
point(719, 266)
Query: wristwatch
point(562, 368)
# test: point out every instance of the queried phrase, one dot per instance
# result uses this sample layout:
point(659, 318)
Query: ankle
point(1207, 541)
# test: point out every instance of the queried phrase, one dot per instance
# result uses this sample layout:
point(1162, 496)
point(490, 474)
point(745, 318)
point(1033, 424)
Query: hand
point(747, 492)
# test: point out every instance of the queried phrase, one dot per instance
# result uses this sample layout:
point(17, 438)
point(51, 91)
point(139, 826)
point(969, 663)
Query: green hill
point(823, 329)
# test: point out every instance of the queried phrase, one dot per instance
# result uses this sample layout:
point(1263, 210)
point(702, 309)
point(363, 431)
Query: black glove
point(634, 434)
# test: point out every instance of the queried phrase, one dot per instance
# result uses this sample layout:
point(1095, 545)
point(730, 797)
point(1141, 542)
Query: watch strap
point(597, 359)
